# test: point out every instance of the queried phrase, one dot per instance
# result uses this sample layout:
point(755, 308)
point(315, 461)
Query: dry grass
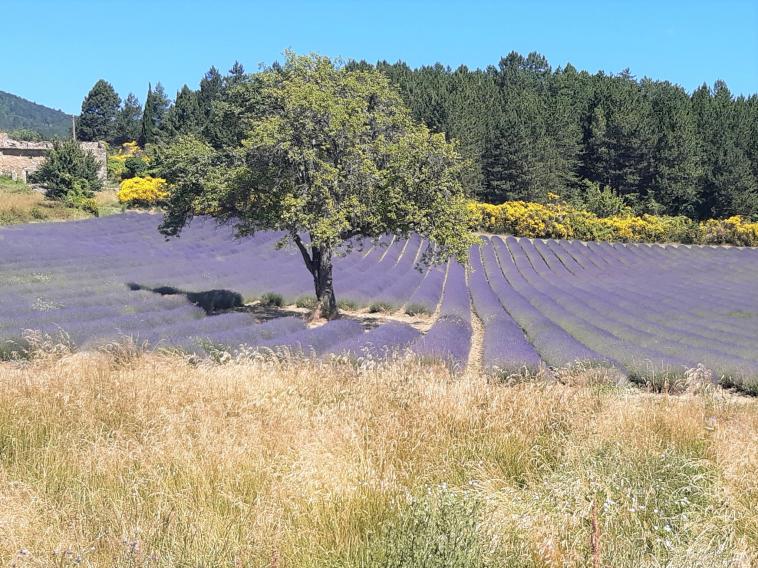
point(111, 460)
point(20, 204)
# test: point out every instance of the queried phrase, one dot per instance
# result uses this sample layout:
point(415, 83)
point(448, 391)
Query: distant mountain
point(17, 113)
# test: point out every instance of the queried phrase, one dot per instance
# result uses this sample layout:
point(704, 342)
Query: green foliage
point(438, 529)
point(185, 116)
point(348, 305)
point(115, 168)
point(417, 309)
point(128, 120)
point(307, 302)
point(156, 107)
point(68, 169)
point(134, 166)
point(97, 120)
point(603, 202)
point(80, 196)
point(271, 299)
point(26, 134)
point(381, 307)
point(530, 130)
point(331, 152)
point(20, 114)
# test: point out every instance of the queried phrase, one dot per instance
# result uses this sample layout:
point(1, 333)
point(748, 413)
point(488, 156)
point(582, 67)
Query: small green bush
point(80, 197)
point(116, 168)
point(349, 305)
point(68, 168)
point(417, 310)
point(134, 166)
point(381, 307)
point(271, 299)
point(307, 302)
point(602, 201)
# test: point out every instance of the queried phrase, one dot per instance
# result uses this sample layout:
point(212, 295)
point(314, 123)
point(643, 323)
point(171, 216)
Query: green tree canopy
point(128, 120)
point(330, 154)
point(157, 106)
point(99, 109)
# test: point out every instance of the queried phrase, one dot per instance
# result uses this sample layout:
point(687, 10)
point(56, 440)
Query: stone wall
point(18, 159)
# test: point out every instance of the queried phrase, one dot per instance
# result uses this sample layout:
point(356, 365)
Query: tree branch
point(304, 251)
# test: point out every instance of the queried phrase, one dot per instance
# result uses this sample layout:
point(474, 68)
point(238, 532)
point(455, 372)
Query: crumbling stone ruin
point(19, 159)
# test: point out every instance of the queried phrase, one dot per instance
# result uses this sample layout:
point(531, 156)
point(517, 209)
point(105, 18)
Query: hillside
point(17, 113)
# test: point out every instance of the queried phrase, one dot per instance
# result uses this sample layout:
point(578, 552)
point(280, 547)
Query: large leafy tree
point(331, 154)
point(97, 120)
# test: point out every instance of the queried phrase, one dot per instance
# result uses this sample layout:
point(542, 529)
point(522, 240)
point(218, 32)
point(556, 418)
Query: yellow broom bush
point(562, 221)
point(142, 191)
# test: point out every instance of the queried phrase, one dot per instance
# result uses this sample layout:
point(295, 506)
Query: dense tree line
point(527, 129)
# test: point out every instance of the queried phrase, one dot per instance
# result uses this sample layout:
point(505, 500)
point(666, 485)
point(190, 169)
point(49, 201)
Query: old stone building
point(18, 159)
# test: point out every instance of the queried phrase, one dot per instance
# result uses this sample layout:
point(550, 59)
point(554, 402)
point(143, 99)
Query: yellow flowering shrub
point(561, 221)
point(734, 230)
point(142, 191)
point(127, 150)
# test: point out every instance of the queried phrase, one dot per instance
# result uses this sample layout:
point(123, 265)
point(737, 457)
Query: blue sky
point(55, 50)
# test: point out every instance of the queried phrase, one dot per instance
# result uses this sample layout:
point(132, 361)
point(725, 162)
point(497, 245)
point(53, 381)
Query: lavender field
point(648, 310)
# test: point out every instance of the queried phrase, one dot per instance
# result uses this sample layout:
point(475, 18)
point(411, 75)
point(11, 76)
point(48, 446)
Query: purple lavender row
point(554, 344)
point(506, 348)
point(630, 344)
point(449, 338)
point(382, 341)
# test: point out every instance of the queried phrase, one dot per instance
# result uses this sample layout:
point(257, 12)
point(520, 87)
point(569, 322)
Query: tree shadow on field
point(221, 301)
point(211, 301)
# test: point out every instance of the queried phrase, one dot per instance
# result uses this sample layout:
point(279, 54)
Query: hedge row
point(561, 221)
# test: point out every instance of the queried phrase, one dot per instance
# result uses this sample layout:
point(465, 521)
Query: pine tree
point(184, 117)
point(729, 186)
point(676, 168)
point(128, 120)
point(235, 76)
point(97, 120)
point(147, 127)
point(211, 86)
point(156, 107)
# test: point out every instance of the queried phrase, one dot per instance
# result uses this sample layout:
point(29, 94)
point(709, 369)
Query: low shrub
point(80, 197)
point(349, 305)
point(307, 302)
point(68, 168)
point(115, 167)
point(381, 307)
point(734, 231)
point(142, 191)
point(271, 299)
point(562, 221)
point(134, 166)
point(417, 310)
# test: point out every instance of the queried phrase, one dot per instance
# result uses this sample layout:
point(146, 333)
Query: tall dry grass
point(108, 460)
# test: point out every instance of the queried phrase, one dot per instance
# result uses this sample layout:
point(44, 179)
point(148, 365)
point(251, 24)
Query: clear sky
point(55, 50)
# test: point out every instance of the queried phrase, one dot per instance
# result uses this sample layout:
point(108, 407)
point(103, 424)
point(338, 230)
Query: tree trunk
point(326, 303)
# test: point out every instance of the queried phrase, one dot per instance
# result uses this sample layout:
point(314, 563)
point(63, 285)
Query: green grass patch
point(417, 310)
point(272, 299)
point(381, 308)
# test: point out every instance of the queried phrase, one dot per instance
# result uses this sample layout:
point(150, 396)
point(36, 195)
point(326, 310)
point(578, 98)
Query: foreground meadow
point(115, 459)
